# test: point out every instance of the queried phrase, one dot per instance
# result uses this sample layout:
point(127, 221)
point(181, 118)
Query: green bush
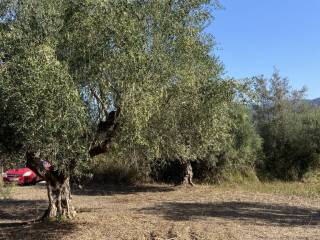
point(113, 169)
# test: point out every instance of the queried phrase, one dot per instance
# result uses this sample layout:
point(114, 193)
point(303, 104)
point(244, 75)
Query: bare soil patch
point(164, 212)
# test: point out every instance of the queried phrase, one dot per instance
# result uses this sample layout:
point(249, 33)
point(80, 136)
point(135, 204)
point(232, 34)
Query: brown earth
point(164, 212)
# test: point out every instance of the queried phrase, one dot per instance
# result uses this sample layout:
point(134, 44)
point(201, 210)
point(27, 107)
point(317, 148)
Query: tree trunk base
point(188, 174)
point(60, 206)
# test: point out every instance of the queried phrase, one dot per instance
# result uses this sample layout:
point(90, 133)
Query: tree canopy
point(81, 78)
point(148, 59)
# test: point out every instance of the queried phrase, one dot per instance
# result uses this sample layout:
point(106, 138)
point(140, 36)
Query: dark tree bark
point(59, 195)
point(108, 129)
point(188, 173)
point(58, 189)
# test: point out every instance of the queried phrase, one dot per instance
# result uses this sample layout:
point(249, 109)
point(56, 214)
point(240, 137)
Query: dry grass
point(256, 211)
point(5, 189)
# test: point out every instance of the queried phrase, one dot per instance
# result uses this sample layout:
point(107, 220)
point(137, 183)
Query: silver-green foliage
point(65, 64)
point(42, 105)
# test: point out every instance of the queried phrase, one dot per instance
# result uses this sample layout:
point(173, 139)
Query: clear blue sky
point(253, 36)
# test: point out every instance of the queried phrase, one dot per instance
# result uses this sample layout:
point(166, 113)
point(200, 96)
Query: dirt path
point(163, 212)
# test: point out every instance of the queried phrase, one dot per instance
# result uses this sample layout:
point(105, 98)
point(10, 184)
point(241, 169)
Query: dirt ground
point(163, 212)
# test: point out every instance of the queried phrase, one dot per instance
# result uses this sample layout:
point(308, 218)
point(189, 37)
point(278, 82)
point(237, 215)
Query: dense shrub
point(236, 160)
point(289, 128)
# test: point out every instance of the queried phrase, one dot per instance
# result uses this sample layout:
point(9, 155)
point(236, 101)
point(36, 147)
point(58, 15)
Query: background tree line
point(273, 134)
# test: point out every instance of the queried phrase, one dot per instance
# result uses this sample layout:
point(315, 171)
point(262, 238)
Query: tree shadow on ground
point(248, 212)
point(35, 230)
point(100, 190)
point(18, 221)
point(22, 210)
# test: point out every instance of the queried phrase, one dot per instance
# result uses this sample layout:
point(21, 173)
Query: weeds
point(5, 190)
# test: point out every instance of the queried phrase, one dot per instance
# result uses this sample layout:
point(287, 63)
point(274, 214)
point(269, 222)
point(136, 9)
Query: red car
point(21, 176)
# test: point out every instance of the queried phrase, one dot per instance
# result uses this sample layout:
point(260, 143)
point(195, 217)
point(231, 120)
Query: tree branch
point(99, 100)
point(108, 127)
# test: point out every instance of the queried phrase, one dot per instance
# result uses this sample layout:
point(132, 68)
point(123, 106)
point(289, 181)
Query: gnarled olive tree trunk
point(58, 189)
point(58, 183)
point(59, 196)
point(188, 173)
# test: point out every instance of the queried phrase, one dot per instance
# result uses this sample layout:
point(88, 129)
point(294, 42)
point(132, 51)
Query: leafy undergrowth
point(150, 212)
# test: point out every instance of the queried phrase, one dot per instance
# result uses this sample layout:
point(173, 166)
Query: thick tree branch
point(100, 101)
point(100, 148)
point(109, 128)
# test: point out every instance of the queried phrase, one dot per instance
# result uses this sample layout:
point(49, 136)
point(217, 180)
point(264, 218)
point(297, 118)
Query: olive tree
point(78, 77)
point(44, 109)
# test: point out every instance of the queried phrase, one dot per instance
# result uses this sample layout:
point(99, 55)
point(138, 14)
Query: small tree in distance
point(284, 121)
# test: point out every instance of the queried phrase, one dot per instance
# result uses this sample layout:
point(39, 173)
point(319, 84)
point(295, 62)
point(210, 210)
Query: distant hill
point(315, 102)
